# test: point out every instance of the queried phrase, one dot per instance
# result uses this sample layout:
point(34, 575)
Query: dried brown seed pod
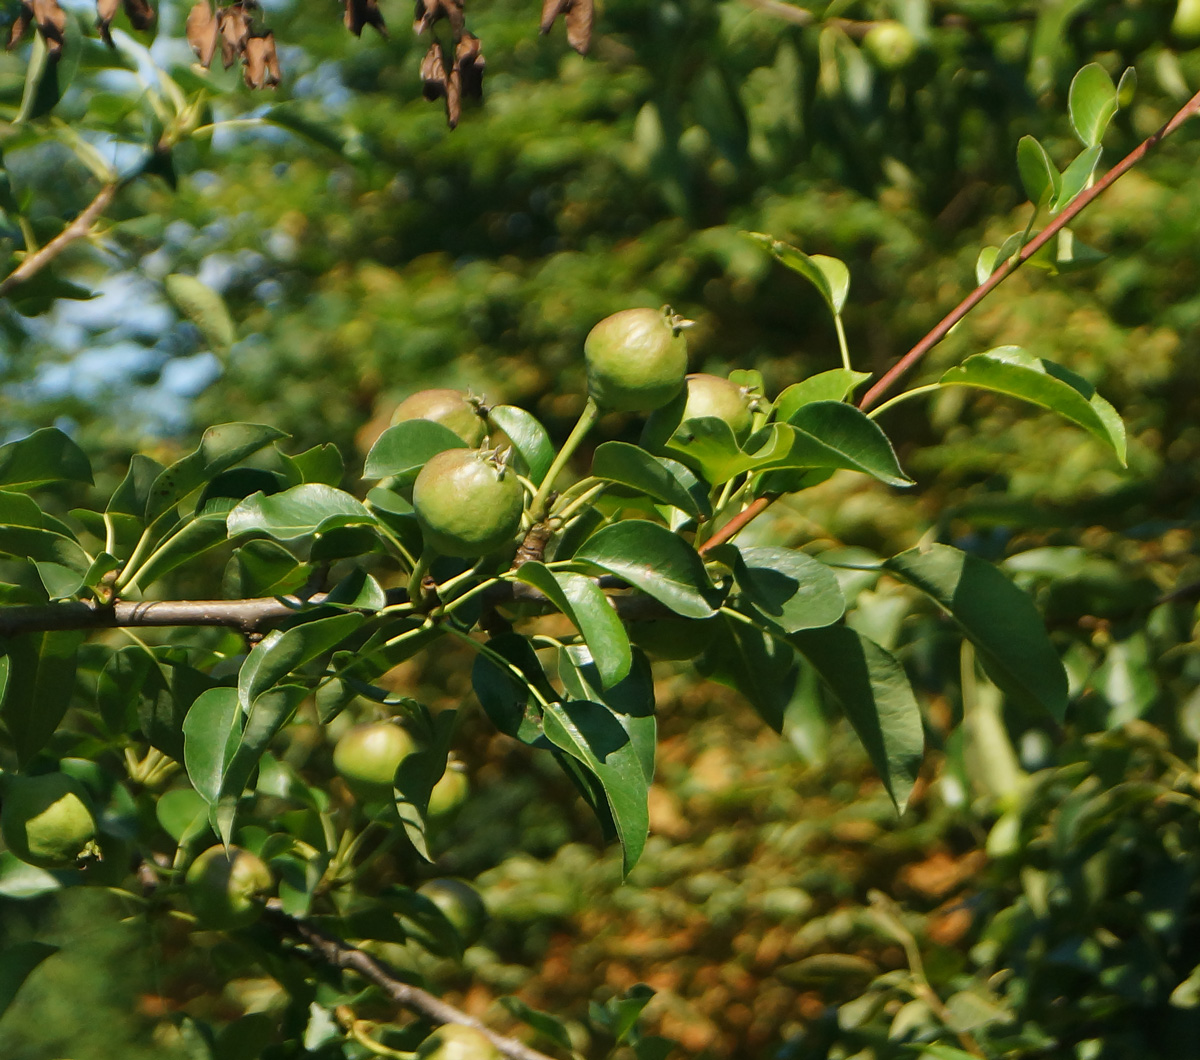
point(262, 62)
point(361, 13)
point(203, 32)
point(234, 23)
point(430, 11)
point(140, 14)
point(580, 14)
point(106, 11)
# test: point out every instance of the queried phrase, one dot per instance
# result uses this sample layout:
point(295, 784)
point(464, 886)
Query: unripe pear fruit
point(223, 885)
point(636, 359)
point(368, 756)
point(706, 396)
point(455, 1041)
point(460, 903)
point(467, 503)
point(46, 821)
point(891, 44)
point(451, 408)
point(1185, 26)
point(450, 792)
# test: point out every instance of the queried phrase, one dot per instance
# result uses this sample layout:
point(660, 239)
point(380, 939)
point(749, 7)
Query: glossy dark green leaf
point(181, 811)
point(832, 434)
point(631, 700)
point(193, 539)
point(263, 568)
point(580, 599)
point(41, 682)
point(220, 448)
point(61, 583)
point(204, 308)
point(415, 778)
point(357, 590)
point(998, 618)
point(834, 385)
point(132, 496)
point(45, 456)
point(281, 652)
point(405, 448)
point(299, 512)
point(33, 543)
point(666, 481)
point(758, 666)
point(211, 733)
point(788, 590)
point(708, 444)
point(19, 880)
point(47, 79)
point(224, 491)
point(1092, 102)
point(1010, 370)
point(267, 715)
point(321, 463)
point(591, 734)
point(528, 437)
point(503, 684)
point(874, 691)
point(17, 961)
point(659, 563)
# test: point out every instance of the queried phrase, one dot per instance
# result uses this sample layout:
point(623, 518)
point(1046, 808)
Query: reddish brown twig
point(751, 512)
point(872, 396)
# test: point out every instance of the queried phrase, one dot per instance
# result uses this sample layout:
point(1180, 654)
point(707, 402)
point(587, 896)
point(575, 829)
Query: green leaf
point(834, 385)
point(758, 666)
point(19, 880)
point(832, 434)
point(47, 80)
point(281, 652)
point(708, 444)
point(528, 437)
point(1092, 101)
point(224, 491)
point(580, 599)
point(302, 511)
point(503, 686)
point(193, 539)
point(787, 590)
point(342, 139)
point(545, 1024)
point(205, 308)
point(1039, 175)
point(132, 496)
point(45, 456)
point(220, 448)
point(1010, 370)
point(322, 463)
point(659, 563)
point(828, 275)
point(997, 617)
point(664, 480)
point(211, 732)
point(591, 734)
point(267, 715)
point(405, 448)
point(17, 961)
point(1127, 87)
point(181, 811)
point(41, 682)
point(1076, 177)
point(876, 696)
point(631, 700)
point(416, 776)
point(46, 546)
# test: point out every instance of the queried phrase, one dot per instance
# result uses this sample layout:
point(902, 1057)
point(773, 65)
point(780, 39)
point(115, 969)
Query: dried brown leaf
point(361, 13)
point(140, 14)
point(453, 98)
point(430, 11)
point(262, 62)
point(234, 24)
point(469, 61)
point(433, 73)
point(106, 11)
point(20, 25)
point(202, 32)
point(51, 22)
point(580, 15)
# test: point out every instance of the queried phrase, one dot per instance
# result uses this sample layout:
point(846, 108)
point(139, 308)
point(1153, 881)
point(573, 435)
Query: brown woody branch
point(1189, 110)
point(77, 229)
point(338, 954)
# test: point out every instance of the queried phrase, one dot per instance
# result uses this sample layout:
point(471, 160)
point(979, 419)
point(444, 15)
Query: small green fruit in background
point(891, 45)
point(1185, 26)
point(222, 886)
point(450, 408)
point(705, 396)
point(467, 503)
point(450, 792)
point(46, 821)
point(367, 756)
point(460, 903)
point(454, 1041)
point(636, 359)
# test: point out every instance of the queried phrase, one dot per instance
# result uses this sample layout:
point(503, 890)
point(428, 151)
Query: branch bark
point(339, 954)
point(1189, 110)
point(77, 229)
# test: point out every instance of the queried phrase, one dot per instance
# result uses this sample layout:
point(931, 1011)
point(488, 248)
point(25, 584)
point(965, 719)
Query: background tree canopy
point(1039, 896)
